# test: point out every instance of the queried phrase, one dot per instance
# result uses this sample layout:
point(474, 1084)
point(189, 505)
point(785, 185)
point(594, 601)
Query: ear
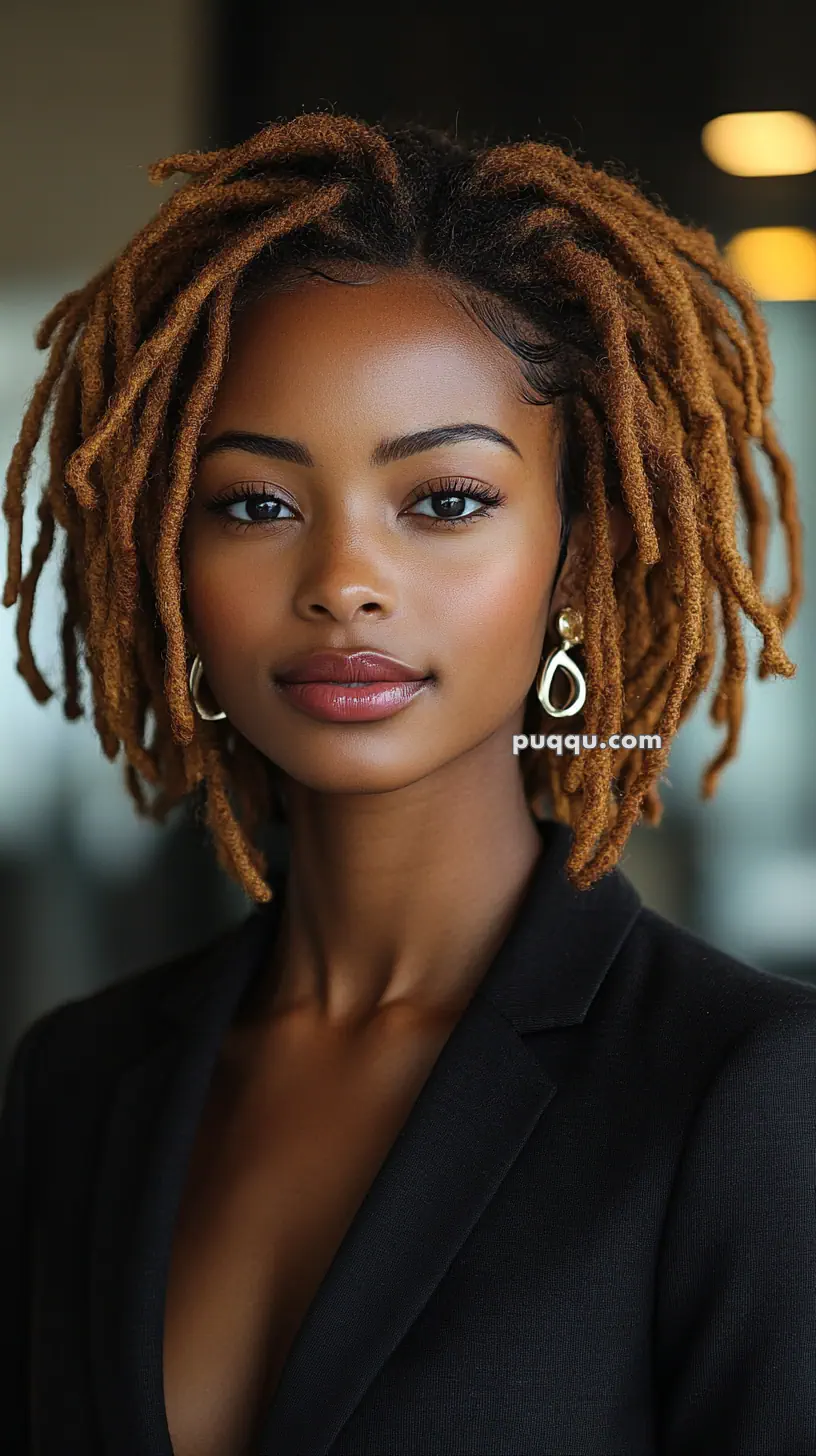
point(569, 589)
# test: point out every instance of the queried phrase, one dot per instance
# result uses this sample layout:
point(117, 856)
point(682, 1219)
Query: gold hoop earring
point(194, 680)
point(570, 626)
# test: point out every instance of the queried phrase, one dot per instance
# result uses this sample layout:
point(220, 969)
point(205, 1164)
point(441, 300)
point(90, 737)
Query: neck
point(398, 902)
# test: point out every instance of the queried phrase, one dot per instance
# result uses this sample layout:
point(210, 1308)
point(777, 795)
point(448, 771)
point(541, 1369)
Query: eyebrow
point(400, 447)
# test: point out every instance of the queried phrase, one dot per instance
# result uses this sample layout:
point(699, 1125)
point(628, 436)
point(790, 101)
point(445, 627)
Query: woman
point(451, 1146)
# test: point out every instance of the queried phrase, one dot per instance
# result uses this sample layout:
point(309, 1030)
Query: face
point(443, 557)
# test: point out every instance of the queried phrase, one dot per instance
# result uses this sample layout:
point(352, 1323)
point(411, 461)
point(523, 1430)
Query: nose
point(344, 575)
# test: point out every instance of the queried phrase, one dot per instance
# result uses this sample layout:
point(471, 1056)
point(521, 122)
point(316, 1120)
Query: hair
point(631, 323)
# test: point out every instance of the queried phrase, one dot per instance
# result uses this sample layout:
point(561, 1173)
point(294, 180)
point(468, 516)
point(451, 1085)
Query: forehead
point(381, 341)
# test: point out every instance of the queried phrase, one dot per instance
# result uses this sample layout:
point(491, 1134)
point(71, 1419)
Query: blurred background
point(91, 93)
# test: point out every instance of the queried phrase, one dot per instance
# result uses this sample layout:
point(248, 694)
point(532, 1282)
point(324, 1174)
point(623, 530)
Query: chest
point(284, 1155)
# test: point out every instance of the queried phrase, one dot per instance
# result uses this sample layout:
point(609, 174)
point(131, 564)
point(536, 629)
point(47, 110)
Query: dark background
point(630, 83)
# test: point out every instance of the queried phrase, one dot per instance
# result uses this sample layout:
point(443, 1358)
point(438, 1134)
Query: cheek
point(492, 619)
point(230, 597)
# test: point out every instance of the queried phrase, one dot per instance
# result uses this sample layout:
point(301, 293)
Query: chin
point(349, 776)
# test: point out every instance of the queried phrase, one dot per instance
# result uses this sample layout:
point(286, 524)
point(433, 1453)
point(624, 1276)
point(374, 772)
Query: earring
point(194, 680)
point(571, 629)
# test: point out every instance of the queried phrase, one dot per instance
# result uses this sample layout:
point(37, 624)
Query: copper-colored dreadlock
point(652, 344)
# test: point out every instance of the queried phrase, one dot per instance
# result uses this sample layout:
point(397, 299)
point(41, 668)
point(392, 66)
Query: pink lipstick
point(350, 687)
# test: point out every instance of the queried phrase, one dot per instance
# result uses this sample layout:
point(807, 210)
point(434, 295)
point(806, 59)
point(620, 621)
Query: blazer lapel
point(480, 1104)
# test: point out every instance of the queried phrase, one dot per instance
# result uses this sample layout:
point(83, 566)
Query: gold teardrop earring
point(570, 626)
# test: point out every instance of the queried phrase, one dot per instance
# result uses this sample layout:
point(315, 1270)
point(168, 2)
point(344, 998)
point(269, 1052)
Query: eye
point(451, 499)
point(261, 506)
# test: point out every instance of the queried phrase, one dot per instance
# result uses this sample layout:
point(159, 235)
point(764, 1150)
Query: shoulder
point(675, 1009)
point(726, 1053)
point(108, 1025)
point(705, 978)
point(735, 1289)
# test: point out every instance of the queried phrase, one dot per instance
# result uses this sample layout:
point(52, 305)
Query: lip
point(333, 702)
point(362, 666)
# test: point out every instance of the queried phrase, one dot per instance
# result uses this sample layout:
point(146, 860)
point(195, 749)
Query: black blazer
point(594, 1236)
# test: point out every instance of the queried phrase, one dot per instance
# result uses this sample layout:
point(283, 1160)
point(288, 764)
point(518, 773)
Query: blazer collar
point(484, 1097)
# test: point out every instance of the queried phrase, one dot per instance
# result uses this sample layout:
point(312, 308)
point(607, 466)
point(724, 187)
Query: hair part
point(632, 323)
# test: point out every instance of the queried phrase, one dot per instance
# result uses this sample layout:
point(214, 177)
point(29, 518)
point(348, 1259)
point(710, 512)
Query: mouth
point(355, 700)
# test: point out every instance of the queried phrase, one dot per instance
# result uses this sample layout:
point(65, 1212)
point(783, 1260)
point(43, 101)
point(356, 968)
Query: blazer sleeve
point(14, 1260)
point(736, 1289)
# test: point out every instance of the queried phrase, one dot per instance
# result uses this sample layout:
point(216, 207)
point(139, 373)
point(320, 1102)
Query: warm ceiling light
point(778, 262)
point(761, 143)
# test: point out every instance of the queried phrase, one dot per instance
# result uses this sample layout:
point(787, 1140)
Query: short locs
point(631, 322)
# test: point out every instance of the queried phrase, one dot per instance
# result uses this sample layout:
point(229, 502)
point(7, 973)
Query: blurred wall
point(90, 91)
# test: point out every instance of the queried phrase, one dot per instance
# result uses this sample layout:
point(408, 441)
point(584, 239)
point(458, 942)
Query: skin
point(411, 840)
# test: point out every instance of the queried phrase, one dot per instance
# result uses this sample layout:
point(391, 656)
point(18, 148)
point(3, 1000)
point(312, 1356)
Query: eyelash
point(455, 486)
